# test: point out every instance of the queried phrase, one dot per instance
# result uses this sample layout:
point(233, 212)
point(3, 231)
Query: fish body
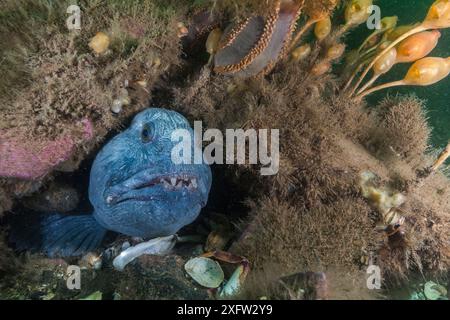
point(135, 189)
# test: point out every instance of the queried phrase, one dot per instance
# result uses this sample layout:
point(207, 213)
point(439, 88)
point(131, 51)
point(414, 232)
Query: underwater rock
point(39, 279)
point(97, 295)
point(157, 277)
point(32, 160)
point(151, 277)
point(57, 198)
point(306, 286)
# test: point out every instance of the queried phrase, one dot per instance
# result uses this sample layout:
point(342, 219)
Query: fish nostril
point(109, 199)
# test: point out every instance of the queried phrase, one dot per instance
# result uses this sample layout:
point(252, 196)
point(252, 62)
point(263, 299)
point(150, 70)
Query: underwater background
point(436, 96)
point(313, 229)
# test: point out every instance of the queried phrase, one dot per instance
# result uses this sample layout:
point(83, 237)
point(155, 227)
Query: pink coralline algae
point(27, 159)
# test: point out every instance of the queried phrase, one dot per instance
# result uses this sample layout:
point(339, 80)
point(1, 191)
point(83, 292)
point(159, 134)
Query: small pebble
point(117, 106)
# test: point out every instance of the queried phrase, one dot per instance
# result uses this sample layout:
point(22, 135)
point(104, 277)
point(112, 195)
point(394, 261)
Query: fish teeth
point(173, 181)
point(180, 184)
point(194, 183)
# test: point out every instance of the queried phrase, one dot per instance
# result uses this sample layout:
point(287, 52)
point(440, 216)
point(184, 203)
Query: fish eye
point(147, 133)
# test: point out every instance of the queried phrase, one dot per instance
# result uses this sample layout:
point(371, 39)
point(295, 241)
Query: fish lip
point(144, 181)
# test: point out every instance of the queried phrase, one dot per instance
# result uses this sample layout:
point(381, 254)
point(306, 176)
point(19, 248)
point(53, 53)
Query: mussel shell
point(242, 44)
point(434, 291)
point(206, 272)
point(254, 47)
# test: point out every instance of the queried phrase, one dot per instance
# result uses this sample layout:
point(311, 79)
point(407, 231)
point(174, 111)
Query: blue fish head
point(135, 186)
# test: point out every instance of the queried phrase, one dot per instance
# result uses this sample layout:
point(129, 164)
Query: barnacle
point(255, 46)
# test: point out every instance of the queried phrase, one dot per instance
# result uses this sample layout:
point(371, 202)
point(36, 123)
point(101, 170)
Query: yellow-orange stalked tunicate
point(336, 51)
point(213, 41)
point(439, 15)
point(301, 52)
point(424, 72)
point(321, 68)
point(417, 46)
point(397, 32)
point(386, 62)
point(389, 22)
point(99, 43)
point(182, 30)
point(322, 28)
point(428, 71)
point(387, 25)
point(357, 11)
point(382, 66)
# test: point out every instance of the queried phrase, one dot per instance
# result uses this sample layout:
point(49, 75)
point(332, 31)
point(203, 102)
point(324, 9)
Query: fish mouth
point(145, 186)
point(171, 182)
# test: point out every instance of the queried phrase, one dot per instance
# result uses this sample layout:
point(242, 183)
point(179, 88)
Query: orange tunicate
point(336, 51)
point(357, 11)
point(428, 71)
point(100, 43)
point(321, 68)
point(386, 62)
point(439, 15)
point(417, 46)
point(322, 28)
point(301, 52)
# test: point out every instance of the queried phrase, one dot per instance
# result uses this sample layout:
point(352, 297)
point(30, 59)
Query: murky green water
point(438, 95)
